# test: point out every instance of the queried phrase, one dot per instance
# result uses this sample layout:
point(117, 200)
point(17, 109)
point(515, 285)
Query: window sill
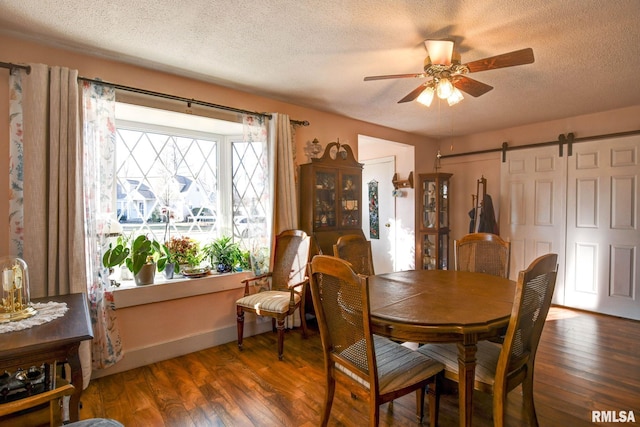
point(130, 295)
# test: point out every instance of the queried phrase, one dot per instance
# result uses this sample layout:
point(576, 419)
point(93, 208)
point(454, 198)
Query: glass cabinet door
point(443, 202)
point(435, 250)
point(429, 194)
point(325, 199)
point(350, 196)
point(429, 259)
point(443, 262)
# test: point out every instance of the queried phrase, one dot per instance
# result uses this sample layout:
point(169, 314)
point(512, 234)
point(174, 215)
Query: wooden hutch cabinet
point(433, 235)
point(331, 197)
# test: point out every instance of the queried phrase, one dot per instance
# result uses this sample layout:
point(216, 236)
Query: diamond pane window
point(184, 175)
point(250, 193)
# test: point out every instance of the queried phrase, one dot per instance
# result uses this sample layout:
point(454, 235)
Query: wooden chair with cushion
point(482, 253)
point(38, 409)
point(287, 285)
point(352, 353)
point(357, 250)
point(500, 368)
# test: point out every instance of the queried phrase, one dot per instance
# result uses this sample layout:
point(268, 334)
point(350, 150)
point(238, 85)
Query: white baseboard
point(137, 357)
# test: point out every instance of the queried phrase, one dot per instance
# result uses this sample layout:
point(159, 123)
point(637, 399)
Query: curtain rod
point(161, 95)
point(569, 139)
point(11, 66)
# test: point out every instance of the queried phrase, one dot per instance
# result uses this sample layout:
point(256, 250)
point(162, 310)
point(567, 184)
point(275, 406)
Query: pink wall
point(325, 126)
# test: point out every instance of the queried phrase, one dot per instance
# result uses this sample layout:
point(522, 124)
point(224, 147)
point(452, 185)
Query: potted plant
point(184, 253)
point(141, 256)
point(225, 255)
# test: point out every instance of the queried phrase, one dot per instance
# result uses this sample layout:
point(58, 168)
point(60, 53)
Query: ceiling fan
point(447, 75)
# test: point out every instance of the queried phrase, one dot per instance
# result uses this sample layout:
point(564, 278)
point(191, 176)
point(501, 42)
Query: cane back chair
point(287, 288)
point(357, 250)
point(387, 370)
point(501, 368)
point(482, 253)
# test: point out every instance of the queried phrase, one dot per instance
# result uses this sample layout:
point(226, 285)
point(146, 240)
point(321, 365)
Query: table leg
point(466, 377)
point(73, 358)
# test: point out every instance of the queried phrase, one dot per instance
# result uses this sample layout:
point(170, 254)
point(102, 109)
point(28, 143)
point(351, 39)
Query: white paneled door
point(532, 206)
point(383, 248)
point(602, 227)
point(585, 208)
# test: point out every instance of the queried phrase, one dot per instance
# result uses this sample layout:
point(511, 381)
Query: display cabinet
point(433, 234)
point(331, 197)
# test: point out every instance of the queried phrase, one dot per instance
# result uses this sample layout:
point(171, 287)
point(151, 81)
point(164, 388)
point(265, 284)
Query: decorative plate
point(195, 273)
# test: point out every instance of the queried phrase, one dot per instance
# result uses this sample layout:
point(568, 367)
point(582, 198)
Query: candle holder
point(16, 302)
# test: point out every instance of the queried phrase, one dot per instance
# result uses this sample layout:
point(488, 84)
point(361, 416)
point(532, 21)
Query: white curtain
point(46, 206)
point(53, 215)
point(283, 182)
point(50, 202)
point(281, 150)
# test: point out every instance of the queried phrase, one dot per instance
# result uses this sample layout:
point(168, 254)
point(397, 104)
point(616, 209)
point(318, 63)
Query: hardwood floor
point(585, 362)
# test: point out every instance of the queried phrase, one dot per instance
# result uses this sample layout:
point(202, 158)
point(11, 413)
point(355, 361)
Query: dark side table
point(51, 342)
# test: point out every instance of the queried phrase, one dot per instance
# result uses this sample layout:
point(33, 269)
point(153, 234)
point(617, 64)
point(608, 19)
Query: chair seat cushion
point(486, 358)
point(397, 365)
point(268, 301)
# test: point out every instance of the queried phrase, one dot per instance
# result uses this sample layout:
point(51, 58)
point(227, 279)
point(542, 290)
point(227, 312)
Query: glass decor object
point(16, 303)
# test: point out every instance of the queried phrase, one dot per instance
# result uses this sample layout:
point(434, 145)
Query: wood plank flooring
point(585, 362)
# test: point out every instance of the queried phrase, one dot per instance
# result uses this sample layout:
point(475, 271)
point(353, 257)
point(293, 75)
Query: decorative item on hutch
point(16, 302)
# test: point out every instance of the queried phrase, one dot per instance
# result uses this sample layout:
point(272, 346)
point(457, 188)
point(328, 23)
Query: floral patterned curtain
point(99, 192)
point(46, 172)
point(16, 166)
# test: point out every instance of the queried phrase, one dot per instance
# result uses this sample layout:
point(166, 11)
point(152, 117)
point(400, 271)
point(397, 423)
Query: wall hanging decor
point(374, 219)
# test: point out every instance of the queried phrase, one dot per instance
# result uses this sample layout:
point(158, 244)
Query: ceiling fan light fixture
point(440, 51)
point(426, 97)
point(455, 97)
point(444, 88)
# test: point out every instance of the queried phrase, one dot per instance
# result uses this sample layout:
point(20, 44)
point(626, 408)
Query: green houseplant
point(225, 255)
point(141, 256)
point(184, 252)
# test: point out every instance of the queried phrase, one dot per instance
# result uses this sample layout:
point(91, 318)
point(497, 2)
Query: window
point(184, 175)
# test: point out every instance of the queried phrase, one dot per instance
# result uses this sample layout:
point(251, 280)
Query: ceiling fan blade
point(414, 94)
point(394, 76)
point(472, 87)
point(517, 57)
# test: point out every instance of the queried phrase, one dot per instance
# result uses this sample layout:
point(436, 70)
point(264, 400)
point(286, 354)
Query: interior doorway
point(397, 249)
point(377, 175)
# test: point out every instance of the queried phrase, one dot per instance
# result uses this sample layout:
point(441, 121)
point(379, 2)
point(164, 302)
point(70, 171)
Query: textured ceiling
point(315, 53)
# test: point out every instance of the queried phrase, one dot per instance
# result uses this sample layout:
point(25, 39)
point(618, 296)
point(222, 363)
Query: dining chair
point(286, 286)
point(357, 250)
point(387, 370)
point(482, 253)
point(23, 411)
point(500, 368)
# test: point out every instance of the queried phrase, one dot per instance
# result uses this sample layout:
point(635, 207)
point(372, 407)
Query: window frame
point(224, 197)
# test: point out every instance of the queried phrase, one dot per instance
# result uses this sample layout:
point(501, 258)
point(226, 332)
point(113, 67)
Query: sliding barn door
point(532, 207)
point(602, 227)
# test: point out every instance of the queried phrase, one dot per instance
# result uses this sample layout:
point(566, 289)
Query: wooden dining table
point(426, 306)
